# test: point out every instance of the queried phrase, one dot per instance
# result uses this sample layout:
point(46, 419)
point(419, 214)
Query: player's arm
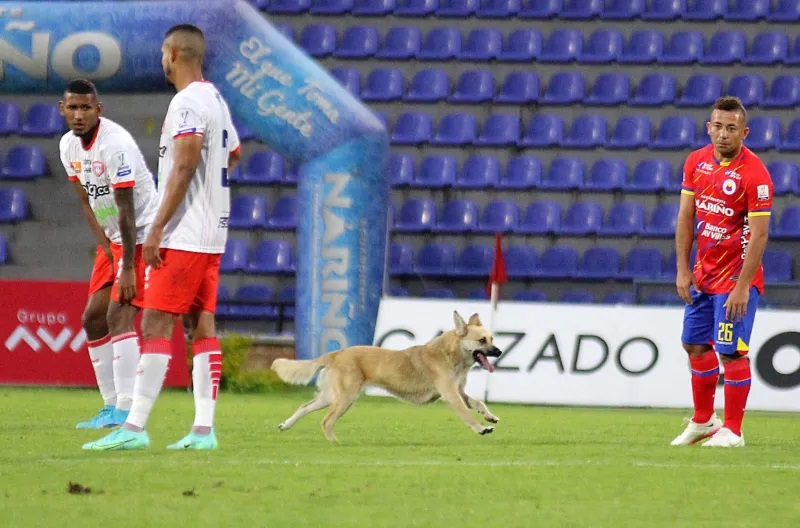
point(91, 220)
point(759, 235)
point(123, 196)
point(684, 237)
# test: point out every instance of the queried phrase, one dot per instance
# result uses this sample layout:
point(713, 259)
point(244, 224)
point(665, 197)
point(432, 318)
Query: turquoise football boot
point(100, 421)
point(120, 440)
point(196, 442)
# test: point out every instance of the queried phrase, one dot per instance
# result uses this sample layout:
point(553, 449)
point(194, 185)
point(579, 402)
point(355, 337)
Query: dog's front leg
point(479, 406)
point(450, 394)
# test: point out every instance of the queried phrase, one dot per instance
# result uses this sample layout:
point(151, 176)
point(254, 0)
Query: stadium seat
point(24, 162)
point(396, 291)
point(540, 9)
point(785, 11)
point(784, 92)
point(522, 172)
point(675, 132)
point(575, 296)
point(580, 9)
point(10, 117)
point(625, 219)
point(663, 219)
point(562, 46)
point(473, 86)
point(415, 8)
point(475, 260)
point(499, 130)
point(519, 88)
point(372, 7)
point(499, 216)
point(440, 43)
point(285, 30)
point(319, 40)
point(725, 47)
point(292, 7)
point(603, 46)
point(617, 297)
point(482, 44)
point(765, 133)
point(642, 263)
point(701, 90)
point(42, 120)
point(530, 296)
point(655, 89)
point(705, 10)
point(498, 9)
point(262, 168)
point(791, 140)
point(357, 42)
point(330, 7)
point(749, 87)
point(649, 176)
point(683, 47)
point(622, 9)
point(435, 260)
point(428, 86)
point(284, 213)
point(663, 299)
point(669, 270)
point(235, 257)
point(456, 130)
point(564, 174)
point(582, 218)
point(350, 78)
point(3, 250)
point(788, 226)
point(557, 262)
point(747, 10)
point(223, 296)
point(436, 172)
point(456, 8)
point(13, 205)
point(520, 262)
point(664, 10)
point(478, 172)
point(438, 293)
point(401, 259)
point(412, 128)
point(564, 88)
point(271, 257)
point(383, 84)
point(768, 48)
point(642, 47)
point(586, 132)
point(248, 212)
point(598, 263)
point(257, 294)
point(784, 176)
point(458, 216)
point(631, 132)
point(287, 295)
point(778, 265)
point(609, 89)
point(606, 175)
point(541, 218)
point(416, 215)
point(521, 45)
point(543, 130)
point(400, 43)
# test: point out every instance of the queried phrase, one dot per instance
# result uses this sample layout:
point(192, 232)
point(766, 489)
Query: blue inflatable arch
point(281, 94)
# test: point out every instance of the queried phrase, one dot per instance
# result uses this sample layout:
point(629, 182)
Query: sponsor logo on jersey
point(75, 166)
point(123, 169)
point(713, 207)
point(713, 232)
point(762, 192)
point(96, 191)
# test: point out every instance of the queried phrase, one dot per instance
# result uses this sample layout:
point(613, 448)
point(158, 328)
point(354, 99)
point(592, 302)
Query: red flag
point(498, 274)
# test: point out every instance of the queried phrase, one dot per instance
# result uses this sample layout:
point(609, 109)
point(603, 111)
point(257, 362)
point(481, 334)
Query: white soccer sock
point(102, 356)
point(126, 359)
point(150, 375)
point(206, 374)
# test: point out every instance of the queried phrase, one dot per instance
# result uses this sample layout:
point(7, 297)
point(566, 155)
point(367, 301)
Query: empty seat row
point(560, 46)
point(24, 162)
point(41, 119)
point(265, 167)
point(251, 212)
point(270, 257)
point(255, 302)
point(657, 10)
point(13, 205)
point(4, 253)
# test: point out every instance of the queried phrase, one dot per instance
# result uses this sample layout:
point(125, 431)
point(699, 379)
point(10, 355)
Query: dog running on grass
point(420, 375)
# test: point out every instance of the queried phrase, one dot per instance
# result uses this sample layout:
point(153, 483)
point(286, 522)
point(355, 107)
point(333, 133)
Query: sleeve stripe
point(192, 133)
point(760, 213)
point(125, 184)
point(687, 191)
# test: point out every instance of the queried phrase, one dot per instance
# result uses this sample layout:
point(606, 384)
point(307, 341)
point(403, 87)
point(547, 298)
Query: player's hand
point(150, 247)
point(736, 304)
point(683, 283)
point(127, 285)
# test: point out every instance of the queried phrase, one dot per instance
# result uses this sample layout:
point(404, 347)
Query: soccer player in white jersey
point(199, 148)
point(119, 201)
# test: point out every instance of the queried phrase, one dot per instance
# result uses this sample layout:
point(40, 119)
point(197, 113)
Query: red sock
point(737, 387)
point(705, 374)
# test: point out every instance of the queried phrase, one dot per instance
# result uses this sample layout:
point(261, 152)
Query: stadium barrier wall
point(596, 355)
point(288, 100)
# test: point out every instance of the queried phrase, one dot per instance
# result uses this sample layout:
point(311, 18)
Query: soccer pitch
point(394, 465)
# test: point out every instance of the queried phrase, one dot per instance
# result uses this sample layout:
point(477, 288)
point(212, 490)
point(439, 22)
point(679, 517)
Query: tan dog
point(420, 375)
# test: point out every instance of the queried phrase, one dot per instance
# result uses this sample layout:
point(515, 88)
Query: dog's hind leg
point(479, 406)
point(345, 393)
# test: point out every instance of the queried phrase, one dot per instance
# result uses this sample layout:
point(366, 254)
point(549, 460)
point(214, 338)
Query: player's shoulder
point(751, 160)
point(66, 141)
point(114, 135)
point(194, 96)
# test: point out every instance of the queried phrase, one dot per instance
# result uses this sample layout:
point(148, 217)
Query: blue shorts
point(704, 323)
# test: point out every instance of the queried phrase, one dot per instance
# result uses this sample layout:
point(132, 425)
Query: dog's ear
point(461, 326)
point(474, 320)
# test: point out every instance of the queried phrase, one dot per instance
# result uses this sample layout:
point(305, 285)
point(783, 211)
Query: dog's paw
point(281, 427)
point(491, 418)
point(486, 430)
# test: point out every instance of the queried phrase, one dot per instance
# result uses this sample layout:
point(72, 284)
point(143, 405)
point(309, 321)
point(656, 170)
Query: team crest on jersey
point(729, 187)
point(762, 192)
point(98, 168)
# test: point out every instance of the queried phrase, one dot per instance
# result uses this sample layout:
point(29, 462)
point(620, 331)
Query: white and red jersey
point(200, 224)
point(111, 161)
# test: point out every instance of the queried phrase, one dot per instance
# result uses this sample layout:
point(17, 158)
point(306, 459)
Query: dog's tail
point(299, 372)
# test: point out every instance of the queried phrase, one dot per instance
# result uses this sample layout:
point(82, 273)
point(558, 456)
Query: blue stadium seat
point(562, 46)
point(765, 133)
point(383, 84)
point(702, 139)
point(438, 293)
point(235, 257)
point(456, 130)
point(705, 10)
point(288, 6)
point(575, 296)
point(770, 47)
point(631, 132)
point(580, 9)
point(284, 213)
point(473, 86)
point(675, 132)
point(565, 173)
point(747, 10)
point(791, 140)
point(400, 43)
point(248, 212)
point(642, 47)
point(436, 172)
point(557, 262)
point(372, 7)
point(350, 78)
point(618, 297)
point(582, 218)
point(606, 175)
point(586, 132)
point(725, 47)
point(788, 226)
point(521, 45)
point(330, 7)
point(417, 215)
point(435, 260)
point(564, 88)
point(655, 89)
point(540, 9)
point(458, 216)
point(784, 92)
point(642, 263)
point(543, 130)
point(541, 218)
point(258, 295)
point(519, 88)
point(24, 162)
point(749, 87)
point(401, 259)
point(396, 291)
point(3, 250)
point(415, 8)
point(598, 263)
point(358, 42)
point(701, 90)
point(664, 10)
point(428, 86)
point(603, 46)
point(10, 117)
point(609, 89)
point(499, 130)
point(785, 11)
point(530, 296)
point(669, 271)
point(622, 9)
point(778, 265)
point(683, 47)
point(475, 260)
point(223, 295)
point(520, 262)
point(482, 44)
point(412, 128)
point(440, 43)
point(663, 299)
point(624, 219)
point(271, 257)
point(649, 176)
point(456, 8)
point(498, 9)
point(262, 168)
point(288, 294)
point(42, 120)
point(478, 172)
point(785, 177)
point(522, 172)
point(319, 40)
point(499, 216)
point(663, 219)
point(286, 30)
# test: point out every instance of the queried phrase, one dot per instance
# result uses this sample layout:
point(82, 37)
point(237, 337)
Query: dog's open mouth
point(482, 360)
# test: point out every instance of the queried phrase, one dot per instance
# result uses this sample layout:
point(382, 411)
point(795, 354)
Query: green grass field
point(395, 465)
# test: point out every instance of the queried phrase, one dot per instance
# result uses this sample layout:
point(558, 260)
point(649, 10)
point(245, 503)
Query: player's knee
point(118, 320)
point(205, 326)
point(93, 320)
point(695, 350)
point(156, 325)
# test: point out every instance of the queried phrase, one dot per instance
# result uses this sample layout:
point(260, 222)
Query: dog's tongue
point(485, 362)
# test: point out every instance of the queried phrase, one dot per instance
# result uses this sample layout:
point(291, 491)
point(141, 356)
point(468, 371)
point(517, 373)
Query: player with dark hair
point(119, 200)
point(727, 197)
